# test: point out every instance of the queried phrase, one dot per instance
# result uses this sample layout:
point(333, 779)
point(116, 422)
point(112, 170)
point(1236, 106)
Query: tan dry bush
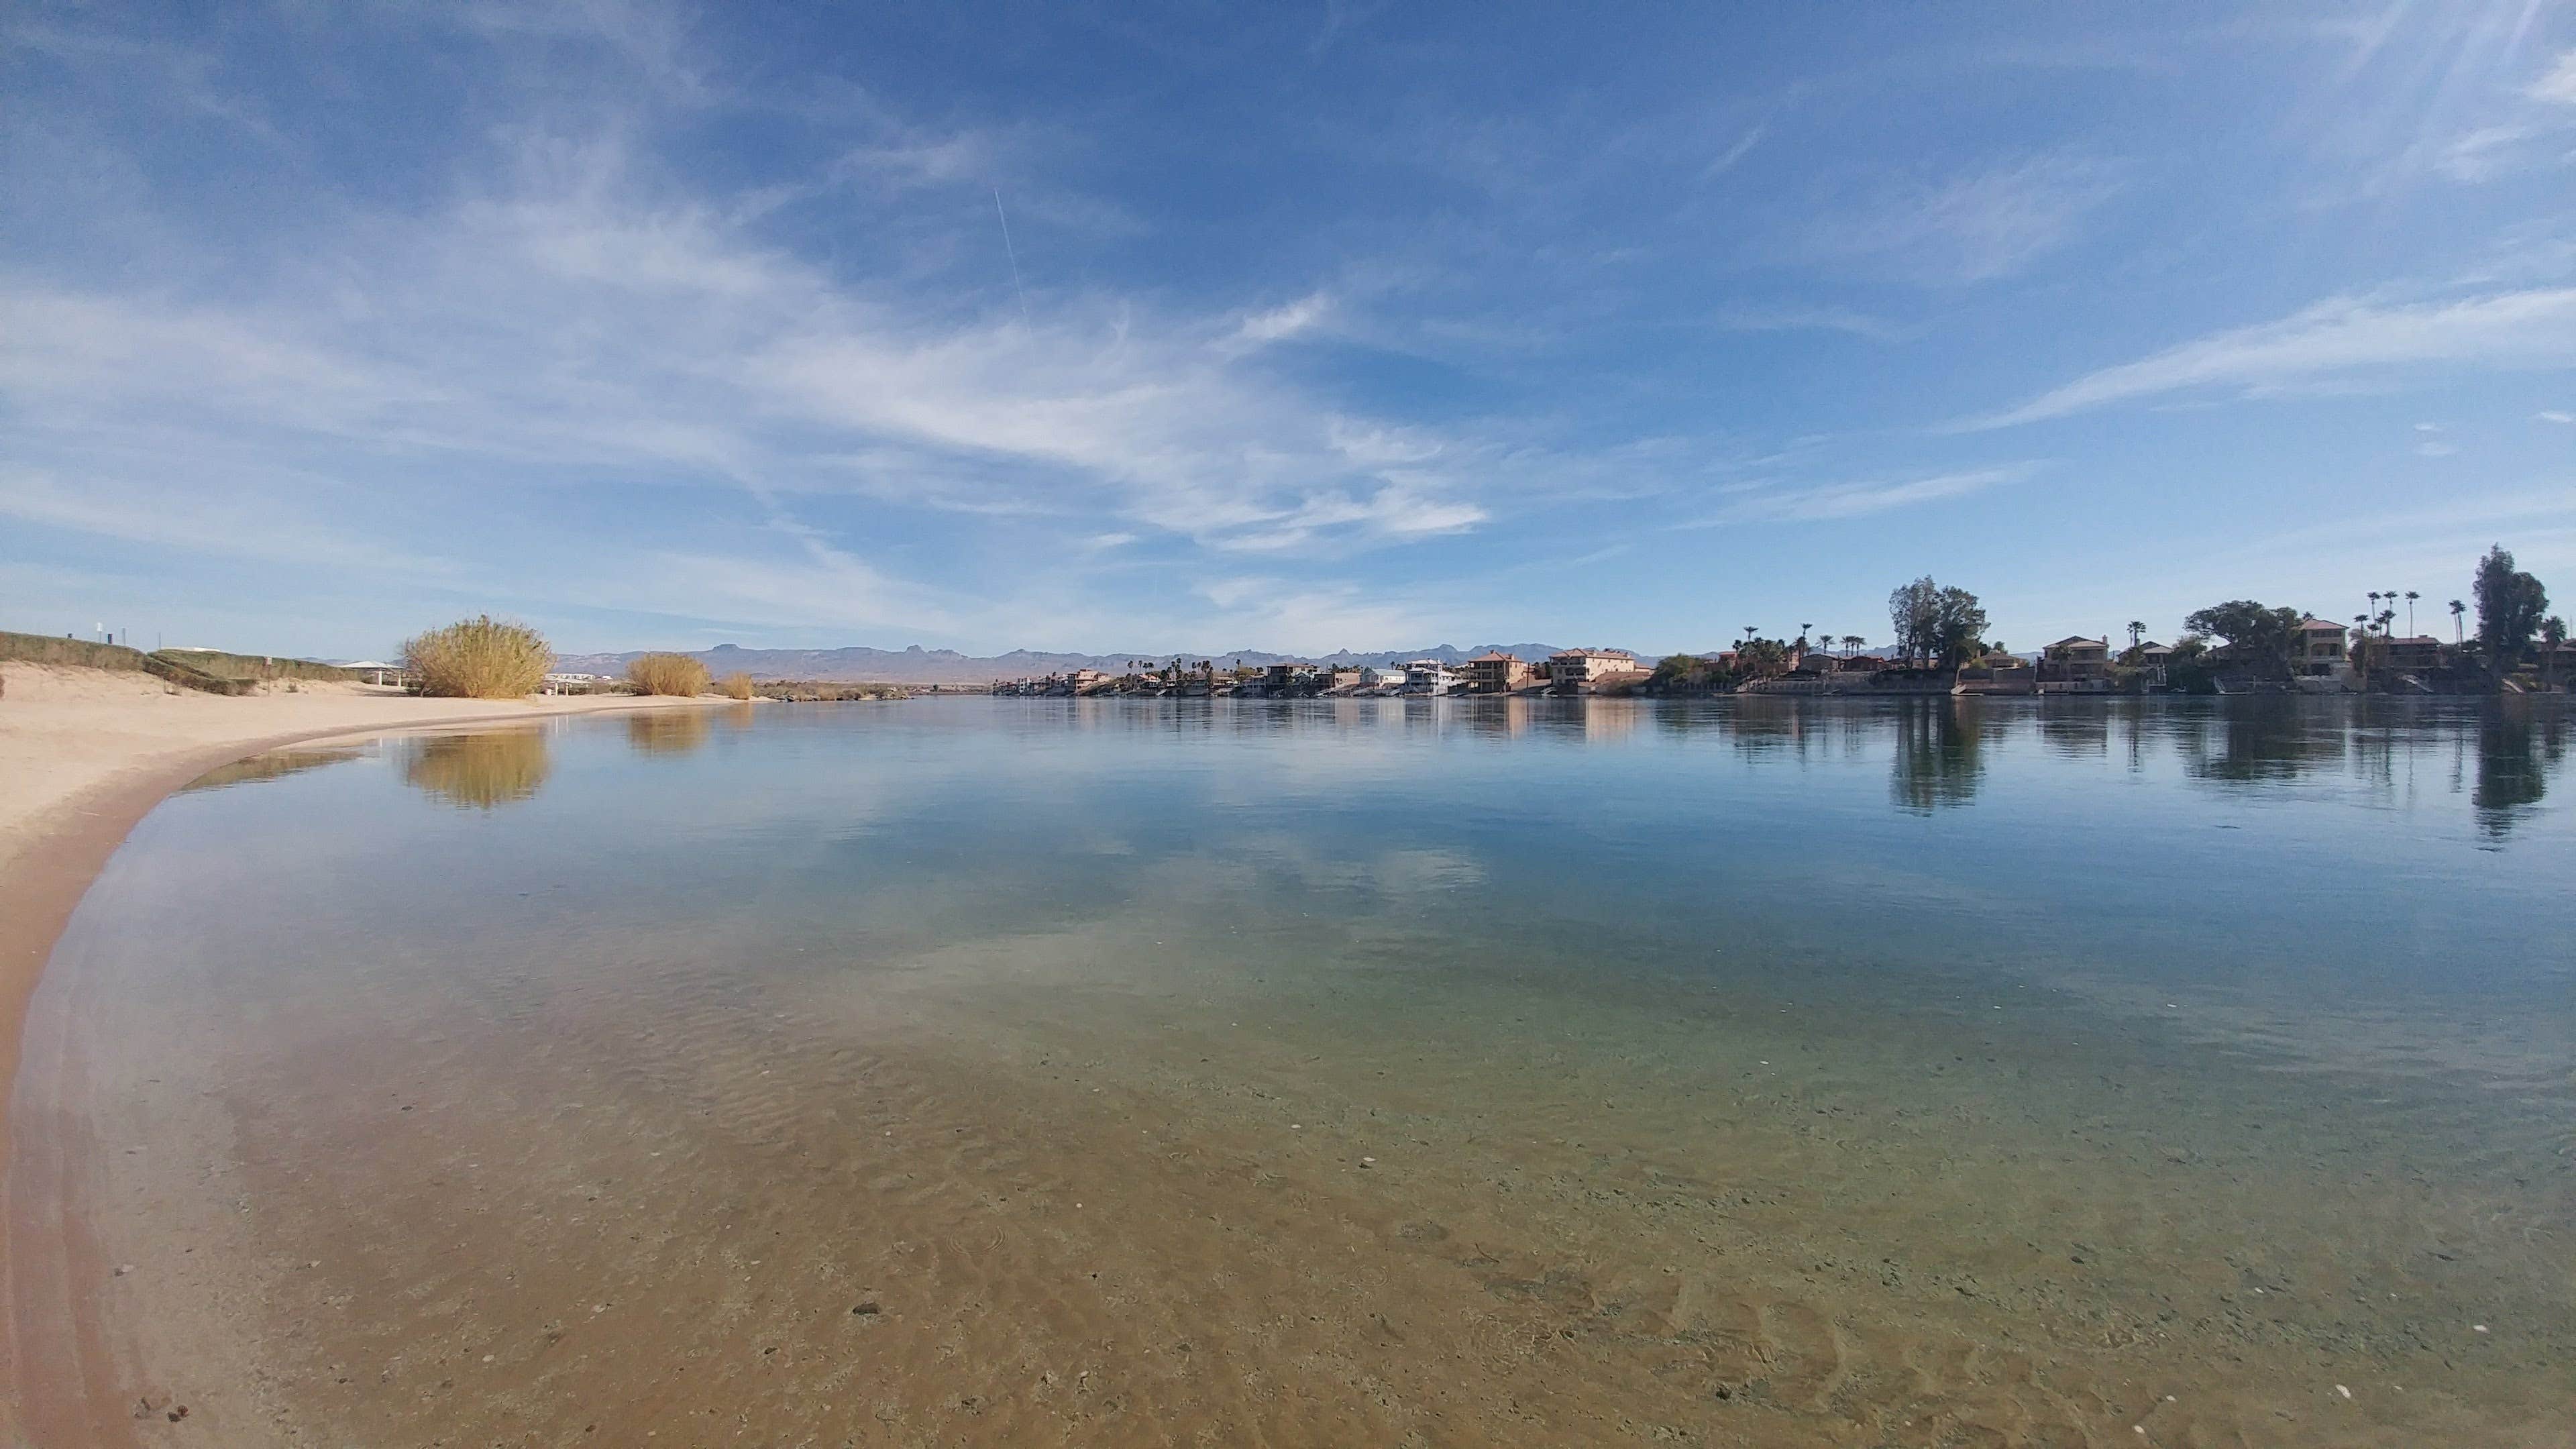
point(479, 658)
point(735, 686)
point(667, 674)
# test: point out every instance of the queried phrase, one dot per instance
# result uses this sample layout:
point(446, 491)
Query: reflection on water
point(1939, 751)
point(672, 731)
point(1804, 1073)
point(2516, 756)
point(476, 771)
point(273, 765)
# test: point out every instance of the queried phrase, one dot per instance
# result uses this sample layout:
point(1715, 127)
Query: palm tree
point(1851, 644)
point(2137, 631)
point(2553, 632)
point(2374, 603)
point(2411, 597)
point(2458, 635)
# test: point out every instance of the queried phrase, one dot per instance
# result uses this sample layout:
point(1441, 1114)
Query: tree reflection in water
point(1939, 759)
point(2516, 756)
point(2264, 740)
point(476, 771)
point(668, 731)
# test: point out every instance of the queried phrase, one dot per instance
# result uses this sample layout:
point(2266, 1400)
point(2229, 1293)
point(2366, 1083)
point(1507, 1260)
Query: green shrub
point(667, 674)
point(478, 658)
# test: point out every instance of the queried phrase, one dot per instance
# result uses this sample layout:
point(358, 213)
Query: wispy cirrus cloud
point(584, 322)
point(1281, 323)
point(1807, 319)
point(1828, 502)
point(2331, 340)
point(2558, 86)
point(1970, 226)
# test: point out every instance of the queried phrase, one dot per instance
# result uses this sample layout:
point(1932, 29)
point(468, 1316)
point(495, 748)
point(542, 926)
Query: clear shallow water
point(1743, 1071)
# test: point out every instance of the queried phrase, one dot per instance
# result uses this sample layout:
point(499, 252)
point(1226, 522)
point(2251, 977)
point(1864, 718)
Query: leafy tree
point(1934, 623)
point(2510, 603)
point(1678, 671)
point(2259, 636)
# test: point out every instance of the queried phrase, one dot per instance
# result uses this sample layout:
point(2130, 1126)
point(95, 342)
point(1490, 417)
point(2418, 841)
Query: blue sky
point(1206, 326)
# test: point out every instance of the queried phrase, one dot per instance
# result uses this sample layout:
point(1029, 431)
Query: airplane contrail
point(1009, 251)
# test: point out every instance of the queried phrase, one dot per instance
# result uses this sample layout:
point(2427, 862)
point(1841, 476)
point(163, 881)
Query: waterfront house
point(1339, 679)
point(1290, 677)
point(1495, 672)
point(2075, 665)
point(1997, 674)
point(1574, 671)
point(2421, 654)
point(1429, 676)
point(2319, 651)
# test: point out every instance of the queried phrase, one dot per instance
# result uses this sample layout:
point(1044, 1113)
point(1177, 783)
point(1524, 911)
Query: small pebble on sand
point(124, 1268)
point(2477, 1328)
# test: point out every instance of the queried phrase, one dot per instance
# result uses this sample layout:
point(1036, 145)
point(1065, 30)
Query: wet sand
point(84, 754)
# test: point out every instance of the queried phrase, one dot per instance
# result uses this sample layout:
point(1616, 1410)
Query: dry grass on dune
point(479, 658)
point(667, 674)
point(735, 686)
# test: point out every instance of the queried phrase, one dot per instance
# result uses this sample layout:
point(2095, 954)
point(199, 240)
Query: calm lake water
point(1445, 1072)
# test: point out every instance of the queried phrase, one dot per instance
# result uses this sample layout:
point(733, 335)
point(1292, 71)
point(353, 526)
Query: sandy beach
point(84, 754)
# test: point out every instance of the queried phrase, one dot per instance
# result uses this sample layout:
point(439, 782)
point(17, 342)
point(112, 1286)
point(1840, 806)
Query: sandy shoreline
point(84, 755)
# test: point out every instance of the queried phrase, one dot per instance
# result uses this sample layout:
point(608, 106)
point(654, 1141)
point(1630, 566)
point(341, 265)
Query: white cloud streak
point(1971, 226)
point(573, 323)
point(1830, 502)
point(2525, 329)
point(2558, 87)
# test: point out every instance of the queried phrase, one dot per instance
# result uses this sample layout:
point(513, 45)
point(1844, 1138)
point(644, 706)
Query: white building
point(1429, 676)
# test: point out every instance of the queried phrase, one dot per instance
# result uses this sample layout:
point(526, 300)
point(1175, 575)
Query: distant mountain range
point(917, 665)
